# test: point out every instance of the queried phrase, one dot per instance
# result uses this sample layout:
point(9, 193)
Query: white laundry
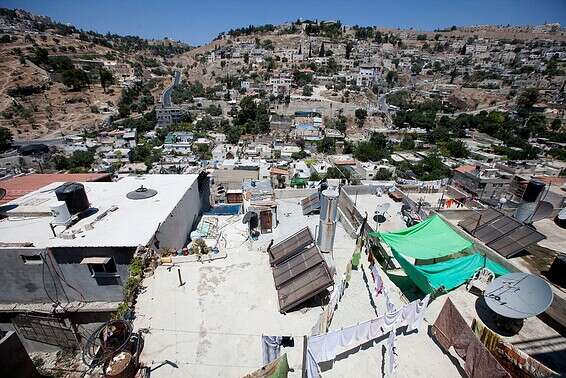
point(324, 347)
point(414, 313)
point(388, 304)
point(270, 348)
point(391, 360)
point(377, 279)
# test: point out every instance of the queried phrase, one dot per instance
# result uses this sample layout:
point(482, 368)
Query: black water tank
point(74, 195)
point(534, 188)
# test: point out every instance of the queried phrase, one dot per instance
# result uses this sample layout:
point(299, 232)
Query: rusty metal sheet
point(311, 203)
point(303, 287)
point(296, 265)
point(290, 246)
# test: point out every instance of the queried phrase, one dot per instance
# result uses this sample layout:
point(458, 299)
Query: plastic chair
point(480, 280)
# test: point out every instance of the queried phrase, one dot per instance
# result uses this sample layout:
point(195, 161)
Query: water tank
point(60, 213)
point(74, 195)
point(327, 225)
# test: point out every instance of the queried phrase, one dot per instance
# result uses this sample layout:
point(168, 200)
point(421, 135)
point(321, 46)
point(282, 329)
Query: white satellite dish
point(382, 208)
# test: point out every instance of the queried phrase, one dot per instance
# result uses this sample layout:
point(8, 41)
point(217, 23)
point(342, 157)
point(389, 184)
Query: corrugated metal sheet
point(501, 232)
point(304, 287)
point(288, 247)
point(299, 270)
point(310, 203)
point(516, 241)
point(471, 223)
point(296, 265)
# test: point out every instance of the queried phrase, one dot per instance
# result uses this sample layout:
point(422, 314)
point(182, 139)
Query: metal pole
point(180, 279)
point(305, 351)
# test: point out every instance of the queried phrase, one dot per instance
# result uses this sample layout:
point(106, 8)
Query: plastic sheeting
point(450, 274)
point(430, 239)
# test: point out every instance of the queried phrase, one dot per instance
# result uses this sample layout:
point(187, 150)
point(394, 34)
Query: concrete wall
point(15, 360)
point(51, 280)
point(233, 178)
point(77, 275)
point(26, 283)
point(174, 231)
point(294, 193)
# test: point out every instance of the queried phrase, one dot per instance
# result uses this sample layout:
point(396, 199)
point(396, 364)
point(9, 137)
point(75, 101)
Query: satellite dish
point(2, 193)
point(544, 210)
point(141, 193)
point(382, 208)
point(247, 217)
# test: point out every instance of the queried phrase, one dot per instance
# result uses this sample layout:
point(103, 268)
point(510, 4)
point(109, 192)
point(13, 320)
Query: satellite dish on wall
point(544, 210)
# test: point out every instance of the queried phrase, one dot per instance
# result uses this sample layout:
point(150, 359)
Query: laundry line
point(219, 333)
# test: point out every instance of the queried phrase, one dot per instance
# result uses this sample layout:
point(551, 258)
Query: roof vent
point(141, 193)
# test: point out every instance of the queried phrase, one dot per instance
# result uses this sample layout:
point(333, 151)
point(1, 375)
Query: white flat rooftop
point(133, 223)
point(212, 325)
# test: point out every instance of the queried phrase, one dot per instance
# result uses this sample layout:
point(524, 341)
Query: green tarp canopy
point(430, 239)
point(298, 182)
point(450, 274)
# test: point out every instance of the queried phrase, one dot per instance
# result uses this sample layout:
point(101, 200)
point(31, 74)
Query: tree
point(556, 124)
point(326, 145)
point(202, 151)
point(106, 78)
point(373, 150)
point(5, 139)
point(349, 47)
point(321, 52)
point(81, 159)
point(456, 148)
point(361, 115)
point(40, 56)
point(416, 68)
point(233, 134)
point(75, 78)
point(307, 91)
point(528, 97)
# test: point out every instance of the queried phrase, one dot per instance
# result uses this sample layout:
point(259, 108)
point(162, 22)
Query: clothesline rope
point(219, 333)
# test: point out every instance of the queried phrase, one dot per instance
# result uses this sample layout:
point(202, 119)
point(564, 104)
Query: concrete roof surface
point(212, 325)
point(133, 223)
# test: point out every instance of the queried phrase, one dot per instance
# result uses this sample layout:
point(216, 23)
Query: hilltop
point(51, 75)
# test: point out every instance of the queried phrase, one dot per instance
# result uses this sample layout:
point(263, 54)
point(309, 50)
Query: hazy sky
point(197, 22)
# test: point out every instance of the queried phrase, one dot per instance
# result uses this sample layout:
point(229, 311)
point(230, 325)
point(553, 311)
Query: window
point(32, 259)
point(101, 266)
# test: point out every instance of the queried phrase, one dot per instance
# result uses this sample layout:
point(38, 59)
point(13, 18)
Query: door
point(265, 221)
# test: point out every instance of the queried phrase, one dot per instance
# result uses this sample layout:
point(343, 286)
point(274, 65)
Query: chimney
point(327, 226)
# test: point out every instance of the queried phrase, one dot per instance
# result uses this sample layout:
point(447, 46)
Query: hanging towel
point(270, 348)
point(377, 279)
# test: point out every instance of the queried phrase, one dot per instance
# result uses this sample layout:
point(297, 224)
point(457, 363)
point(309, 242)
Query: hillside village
point(315, 140)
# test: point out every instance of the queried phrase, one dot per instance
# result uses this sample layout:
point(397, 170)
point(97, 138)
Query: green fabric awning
point(450, 274)
point(430, 239)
